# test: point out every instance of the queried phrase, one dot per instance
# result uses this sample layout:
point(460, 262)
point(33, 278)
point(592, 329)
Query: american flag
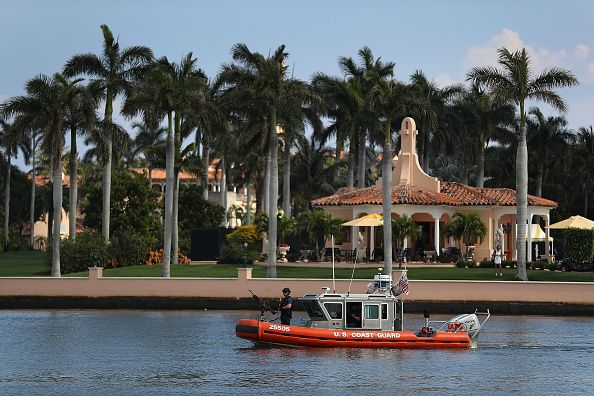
point(403, 284)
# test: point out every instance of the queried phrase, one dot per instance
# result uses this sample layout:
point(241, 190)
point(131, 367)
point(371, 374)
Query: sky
point(444, 39)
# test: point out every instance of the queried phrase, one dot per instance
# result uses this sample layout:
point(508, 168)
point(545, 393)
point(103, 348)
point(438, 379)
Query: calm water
point(142, 352)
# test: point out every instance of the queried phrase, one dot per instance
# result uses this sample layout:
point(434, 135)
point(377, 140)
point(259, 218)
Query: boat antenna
point(353, 273)
point(333, 277)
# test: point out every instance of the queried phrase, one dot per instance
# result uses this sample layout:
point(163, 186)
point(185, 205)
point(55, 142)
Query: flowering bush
point(155, 257)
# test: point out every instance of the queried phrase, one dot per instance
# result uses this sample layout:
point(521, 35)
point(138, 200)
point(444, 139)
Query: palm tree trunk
point(339, 147)
point(224, 187)
point(480, 177)
point(351, 169)
point(206, 158)
point(248, 208)
point(150, 177)
point(272, 197)
point(57, 209)
point(585, 200)
point(73, 186)
point(266, 192)
point(107, 169)
point(7, 200)
point(387, 199)
point(425, 162)
point(32, 204)
point(539, 179)
point(361, 161)
point(175, 206)
point(465, 171)
point(175, 222)
point(287, 179)
point(522, 201)
point(169, 187)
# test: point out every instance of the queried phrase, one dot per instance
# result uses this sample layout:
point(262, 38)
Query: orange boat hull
point(277, 334)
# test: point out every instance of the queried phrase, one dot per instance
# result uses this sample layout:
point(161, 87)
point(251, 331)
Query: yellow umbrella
point(573, 222)
point(370, 220)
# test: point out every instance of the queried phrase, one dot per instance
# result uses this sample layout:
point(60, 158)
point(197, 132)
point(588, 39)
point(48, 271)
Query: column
point(495, 228)
point(514, 234)
point(371, 242)
point(529, 234)
point(547, 251)
point(436, 236)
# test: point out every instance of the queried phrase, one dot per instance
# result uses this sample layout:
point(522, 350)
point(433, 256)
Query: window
point(313, 310)
point(372, 312)
point(384, 311)
point(334, 309)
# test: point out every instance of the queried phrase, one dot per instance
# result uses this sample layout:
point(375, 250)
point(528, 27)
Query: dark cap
point(286, 290)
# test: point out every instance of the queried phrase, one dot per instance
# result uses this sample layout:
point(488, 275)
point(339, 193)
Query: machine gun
point(264, 306)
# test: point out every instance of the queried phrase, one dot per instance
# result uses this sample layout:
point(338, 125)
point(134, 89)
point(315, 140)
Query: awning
point(538, 235)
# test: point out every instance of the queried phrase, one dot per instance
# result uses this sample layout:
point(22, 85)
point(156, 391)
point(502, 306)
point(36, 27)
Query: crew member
point(286, 307)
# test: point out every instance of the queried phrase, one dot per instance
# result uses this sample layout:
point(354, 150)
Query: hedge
point(579, 244)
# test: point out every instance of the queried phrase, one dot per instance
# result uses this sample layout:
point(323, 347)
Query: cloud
point(581, 51)
point(443, 80)
point(576, 59)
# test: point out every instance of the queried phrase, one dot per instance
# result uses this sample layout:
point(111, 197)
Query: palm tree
point(433, 112)
point(113, 72)
point(264, 81)
point(80, 117)
point(389, 102)
point(367, 120)
point(585, 163)
point(548, 137)
point(45, 108)
point(466, 227)
point(515, 84)
point(485, 117)
point(11, 141)
point(402, 227)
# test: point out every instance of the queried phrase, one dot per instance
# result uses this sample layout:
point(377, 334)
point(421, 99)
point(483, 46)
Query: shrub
point(447, 258)
point(246, 234)
point(155, 257)
point(486, 263)
point(553, 266)
point(128, 248)
point(470, 264)
point(87, 250)
point(579, 244)
point(508, 264)
point(461, 264)
point(234, 254)
point(16, 241)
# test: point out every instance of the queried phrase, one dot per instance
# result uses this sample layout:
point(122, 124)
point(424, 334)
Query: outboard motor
point(469, 323)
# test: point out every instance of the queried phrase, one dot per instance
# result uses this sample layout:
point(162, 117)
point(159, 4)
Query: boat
point(370, 320)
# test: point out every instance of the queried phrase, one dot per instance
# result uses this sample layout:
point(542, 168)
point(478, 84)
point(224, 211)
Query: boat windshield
point(313, 310)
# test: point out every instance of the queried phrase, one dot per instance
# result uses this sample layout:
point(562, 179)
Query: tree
point(44, 107)
point(466, 227)
point(318, 226)
point(514, 84)
point(547, 137)
point(134, 206)
point(584, 171)
point(113, 73)
point(264, 81)
point(403, 227)
point(11, 141)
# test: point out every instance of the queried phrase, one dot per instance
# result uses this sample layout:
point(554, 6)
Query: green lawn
point(31, 264)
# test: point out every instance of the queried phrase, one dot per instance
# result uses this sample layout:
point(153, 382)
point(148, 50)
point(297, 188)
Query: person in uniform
point(286, 307)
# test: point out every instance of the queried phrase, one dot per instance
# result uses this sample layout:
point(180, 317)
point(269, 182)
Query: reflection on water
point(146, 352)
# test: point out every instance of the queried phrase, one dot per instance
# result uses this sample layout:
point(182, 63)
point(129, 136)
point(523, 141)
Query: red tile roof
point(452, 194)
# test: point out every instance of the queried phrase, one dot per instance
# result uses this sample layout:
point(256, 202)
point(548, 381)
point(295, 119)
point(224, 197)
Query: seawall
point(451, 297)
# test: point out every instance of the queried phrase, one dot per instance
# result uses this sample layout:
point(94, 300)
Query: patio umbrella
point(370, 220)
point(573, 222)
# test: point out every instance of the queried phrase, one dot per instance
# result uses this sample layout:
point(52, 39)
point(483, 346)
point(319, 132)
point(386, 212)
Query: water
point(184, 352)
